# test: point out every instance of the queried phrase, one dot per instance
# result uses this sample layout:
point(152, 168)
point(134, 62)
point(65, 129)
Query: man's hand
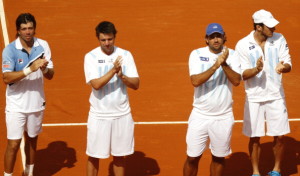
point(117, 64)
point(39, 63)
point(259, 64)
point(279, 68)
point(222, 58)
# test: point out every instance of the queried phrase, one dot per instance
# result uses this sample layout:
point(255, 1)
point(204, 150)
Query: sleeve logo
point(6, 64)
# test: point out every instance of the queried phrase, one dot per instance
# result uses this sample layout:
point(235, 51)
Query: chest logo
point(101, 61)
point(206, 59)
point(110, 60)
point(251, 47)
point(20, 61)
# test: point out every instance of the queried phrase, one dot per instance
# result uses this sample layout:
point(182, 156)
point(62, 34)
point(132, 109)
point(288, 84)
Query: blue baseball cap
point(214, 27)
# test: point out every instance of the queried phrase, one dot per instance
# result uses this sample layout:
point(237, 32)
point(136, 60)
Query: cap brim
point(214, 32)
point(271, 23)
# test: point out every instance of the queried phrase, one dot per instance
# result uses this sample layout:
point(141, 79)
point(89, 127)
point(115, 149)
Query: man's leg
point(30, 148)
point(254, 151)
point(217, 165)
point(30, 151)
point(12, 149)
point(278, 150)
point(92, 166)
point(190, 167)
point(119, 163)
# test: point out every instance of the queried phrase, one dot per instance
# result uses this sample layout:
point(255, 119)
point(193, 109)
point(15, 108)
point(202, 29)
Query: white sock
point(29, 169)
point(6, 174)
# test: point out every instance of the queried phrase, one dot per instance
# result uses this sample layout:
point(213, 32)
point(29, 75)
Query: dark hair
point(105, 27)
point(24, 18)
point(260, 24)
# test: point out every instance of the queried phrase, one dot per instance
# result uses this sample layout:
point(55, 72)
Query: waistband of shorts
point(98, 116)
point(221, 116)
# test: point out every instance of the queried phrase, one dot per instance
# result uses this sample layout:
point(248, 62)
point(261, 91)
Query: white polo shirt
point(214, 97)
point(266, 85)
point(26, 95)
point(110, 101)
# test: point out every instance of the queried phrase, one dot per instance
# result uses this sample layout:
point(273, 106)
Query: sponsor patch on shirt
point(6, 64)
point(101, 61)
point(204, 59)
point(20, 61)
point(110, 60)
point(251, 47)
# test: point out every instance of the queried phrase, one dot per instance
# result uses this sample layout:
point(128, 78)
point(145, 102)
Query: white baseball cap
point(265, 17)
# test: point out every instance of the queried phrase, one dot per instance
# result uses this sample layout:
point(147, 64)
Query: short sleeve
point(47, 52)
point(90, 68)
point(284, 52)
point(8, 62)
point(129, 67)
point(234, 62)
point(242, 56)
point(194, 67)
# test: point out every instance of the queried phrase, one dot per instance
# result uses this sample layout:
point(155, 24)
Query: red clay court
point(160, 34)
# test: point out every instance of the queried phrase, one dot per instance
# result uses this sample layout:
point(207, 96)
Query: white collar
point(19, 45)
point(251, 37)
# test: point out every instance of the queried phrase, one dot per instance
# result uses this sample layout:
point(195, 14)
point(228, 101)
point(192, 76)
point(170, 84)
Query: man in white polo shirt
point(264, 56)
point(25, 62)
point(109, 70)
point(213, 71)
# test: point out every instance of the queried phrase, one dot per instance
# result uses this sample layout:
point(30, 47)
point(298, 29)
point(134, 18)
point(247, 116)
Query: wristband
point(45, 71)
point(27, 71)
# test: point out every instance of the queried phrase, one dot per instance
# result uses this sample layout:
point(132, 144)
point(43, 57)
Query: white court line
point(3, 24)
point(137, 123)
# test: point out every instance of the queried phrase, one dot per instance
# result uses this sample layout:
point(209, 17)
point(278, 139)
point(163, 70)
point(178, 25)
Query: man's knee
point(254, 141)
point(193, 160)
point(219, 160)
point(278, 140)
point(119, 161)
point(14, 145)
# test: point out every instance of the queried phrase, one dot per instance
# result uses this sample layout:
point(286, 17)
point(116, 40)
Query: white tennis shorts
point(17, 122)
point(273, 112)
point(110, 136)
point(218, 131)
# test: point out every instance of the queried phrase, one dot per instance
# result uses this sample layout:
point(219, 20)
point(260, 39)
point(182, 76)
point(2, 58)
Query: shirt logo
point(204, 59)
point(110, 60)
point(101, 61)
point(271, 43)
point(6, 64)
point(286, 46)
point(251, 47)
point(20, 61)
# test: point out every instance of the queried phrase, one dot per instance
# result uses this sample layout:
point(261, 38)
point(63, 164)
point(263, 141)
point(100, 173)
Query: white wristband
point(45, 71)
point(27, 71)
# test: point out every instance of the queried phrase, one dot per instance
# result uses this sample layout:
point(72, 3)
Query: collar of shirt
point(19, 45)
point(251, 38)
